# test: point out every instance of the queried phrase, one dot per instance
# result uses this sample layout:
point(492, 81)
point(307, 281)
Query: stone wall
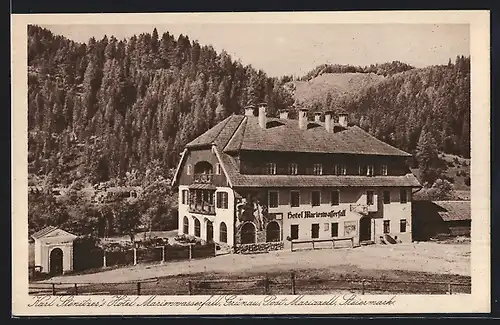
point(259, 248)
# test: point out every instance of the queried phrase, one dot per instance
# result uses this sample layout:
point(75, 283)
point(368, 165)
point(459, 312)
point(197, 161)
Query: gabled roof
point(52, 231)
point(454, 210)
point(219, 135)
point(43, 232)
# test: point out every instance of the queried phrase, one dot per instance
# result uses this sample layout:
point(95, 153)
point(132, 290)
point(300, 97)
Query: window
point(315, 230)
point(335, 229)
point(223, 232)
point(294, 231)
point(343, 170)
point(362, 170)
point(248, 233)
point(318, 169)
point(336, 169)
point(293, 169)
point(222, 200)
point(271, 168)
point(294, 199)
point(387, 197)
point(197, 229)
point(383, 170)
point(369, 170)
point(273, 199)
point(402, 225)
point(403, 196)
point(387, 226)
point(335, 197)
point(217, 169)
point(315, 198)
point(273, 233)
point(185, 196)
point(185, 224)
point(189, 169)
point(369, 197)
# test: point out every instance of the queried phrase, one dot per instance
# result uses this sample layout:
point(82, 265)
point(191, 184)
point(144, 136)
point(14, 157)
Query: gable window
point(293, 169)
point(383, 170)
point(335, 197)
point(271, 168)
point(185, 195)
point(294, 199)
point(318, 169)
point(387, 226)
point(273, 199)
point(336, 169)
point(189, 170)
point(369, 170)
point(315, 198)
point(343, 169)
point(387, 197)
point(217, 169)
point(369, 197)
point(222, 200)
point(362, 170)
point(403, 198)
point(402, 225)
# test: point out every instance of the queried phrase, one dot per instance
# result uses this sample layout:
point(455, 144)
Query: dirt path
point(423, 257)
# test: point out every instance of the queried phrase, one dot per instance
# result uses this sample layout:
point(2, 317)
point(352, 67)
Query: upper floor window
point(222, 200)
point(336, 169)
point(362, 170)
point(335, 197)
point(383, 170)
point(294, 198)
point(403, 195)
point(343, 169)
point(369, 197)
point(271, 168)
point(217, 169)
point(387, 197)
point(315, 198)
point(293, 169)
point(185, 194)
point(318, 169)
point(273, 199)
point(189, 170)
point(369, 170)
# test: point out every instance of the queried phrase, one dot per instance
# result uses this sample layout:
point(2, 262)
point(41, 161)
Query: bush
point(450, 164)
point(467, 181)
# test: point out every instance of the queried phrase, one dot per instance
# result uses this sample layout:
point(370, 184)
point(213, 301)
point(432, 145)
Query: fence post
point(313, 243)
point(292, 279)
point(104, 262)
point(138, 288)
point(76, 290)
point(190, 251)
point(53, 289)
point(449, 288)
point(190, 287)
point(163, 254)
point(266, 285)
point(135, 256)
point(291, 245)
point(363, 286)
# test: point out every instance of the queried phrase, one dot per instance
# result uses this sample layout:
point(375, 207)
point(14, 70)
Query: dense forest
point(103, 108)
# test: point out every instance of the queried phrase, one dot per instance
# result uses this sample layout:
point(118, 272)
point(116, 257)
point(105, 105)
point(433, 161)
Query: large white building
point(255, 180)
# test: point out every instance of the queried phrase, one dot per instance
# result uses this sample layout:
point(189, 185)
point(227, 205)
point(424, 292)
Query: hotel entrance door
point(365, 229)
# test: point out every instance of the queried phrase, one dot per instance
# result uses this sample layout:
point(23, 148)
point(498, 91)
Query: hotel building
point(253, 179)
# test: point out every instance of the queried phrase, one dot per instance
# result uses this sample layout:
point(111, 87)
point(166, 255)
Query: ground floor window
point(402, 225)
point(273, 232)
point(197, 228)
point(387, 226)
point(186, 225)
point(223, 232)
point(294, 231)
point(315, 230)
point(248, 233)
point(335, 229)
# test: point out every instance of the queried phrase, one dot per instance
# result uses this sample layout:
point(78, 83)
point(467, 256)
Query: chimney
point(328, 121)
point(343, 119)
point(262, 115)
point(303, 118)
point(317, 117)
point(284, 114)
point(249, 110)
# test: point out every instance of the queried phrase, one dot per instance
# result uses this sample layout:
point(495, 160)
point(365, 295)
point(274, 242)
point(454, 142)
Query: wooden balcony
point(202, 208)
point(203, 178)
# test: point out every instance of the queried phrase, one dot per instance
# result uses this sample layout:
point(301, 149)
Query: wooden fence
point(314, 242)
point(281, 285)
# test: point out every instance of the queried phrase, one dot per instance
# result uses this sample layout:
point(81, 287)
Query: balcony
point(202, 208)
point(203, 178)
point(359, 208)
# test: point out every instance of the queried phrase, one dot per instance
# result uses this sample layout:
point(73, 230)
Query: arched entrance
point(248, 233)
point(56, 261)
point(273, 233)
point(210, 231)
point(365, 228)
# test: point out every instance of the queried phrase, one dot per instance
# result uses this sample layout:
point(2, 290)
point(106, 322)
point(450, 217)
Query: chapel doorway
point(56, 261)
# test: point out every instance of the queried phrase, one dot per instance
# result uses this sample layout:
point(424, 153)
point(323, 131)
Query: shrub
point(467, 181)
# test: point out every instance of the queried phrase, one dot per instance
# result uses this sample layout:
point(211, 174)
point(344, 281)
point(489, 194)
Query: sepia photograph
point(230, 159)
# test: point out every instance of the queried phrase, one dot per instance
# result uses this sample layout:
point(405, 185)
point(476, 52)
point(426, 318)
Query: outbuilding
point(54, 250)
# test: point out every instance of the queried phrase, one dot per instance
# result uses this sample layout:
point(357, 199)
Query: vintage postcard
point(251, 163)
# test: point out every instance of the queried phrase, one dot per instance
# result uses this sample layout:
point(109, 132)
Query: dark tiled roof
point(43, 232)
point(220, 134)
point(286, 136)
point(453, 210)
point(241, 180)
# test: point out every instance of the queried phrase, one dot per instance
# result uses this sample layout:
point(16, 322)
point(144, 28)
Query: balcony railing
point(202, 207)
point(203, 178)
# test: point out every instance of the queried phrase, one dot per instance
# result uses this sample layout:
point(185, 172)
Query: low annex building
point(255, 179)
point(54, 250)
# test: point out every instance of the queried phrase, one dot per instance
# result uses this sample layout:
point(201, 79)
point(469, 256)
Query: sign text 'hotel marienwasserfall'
point(309, 214)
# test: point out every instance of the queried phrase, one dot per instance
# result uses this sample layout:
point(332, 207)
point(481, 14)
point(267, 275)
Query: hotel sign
point(309, 214)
